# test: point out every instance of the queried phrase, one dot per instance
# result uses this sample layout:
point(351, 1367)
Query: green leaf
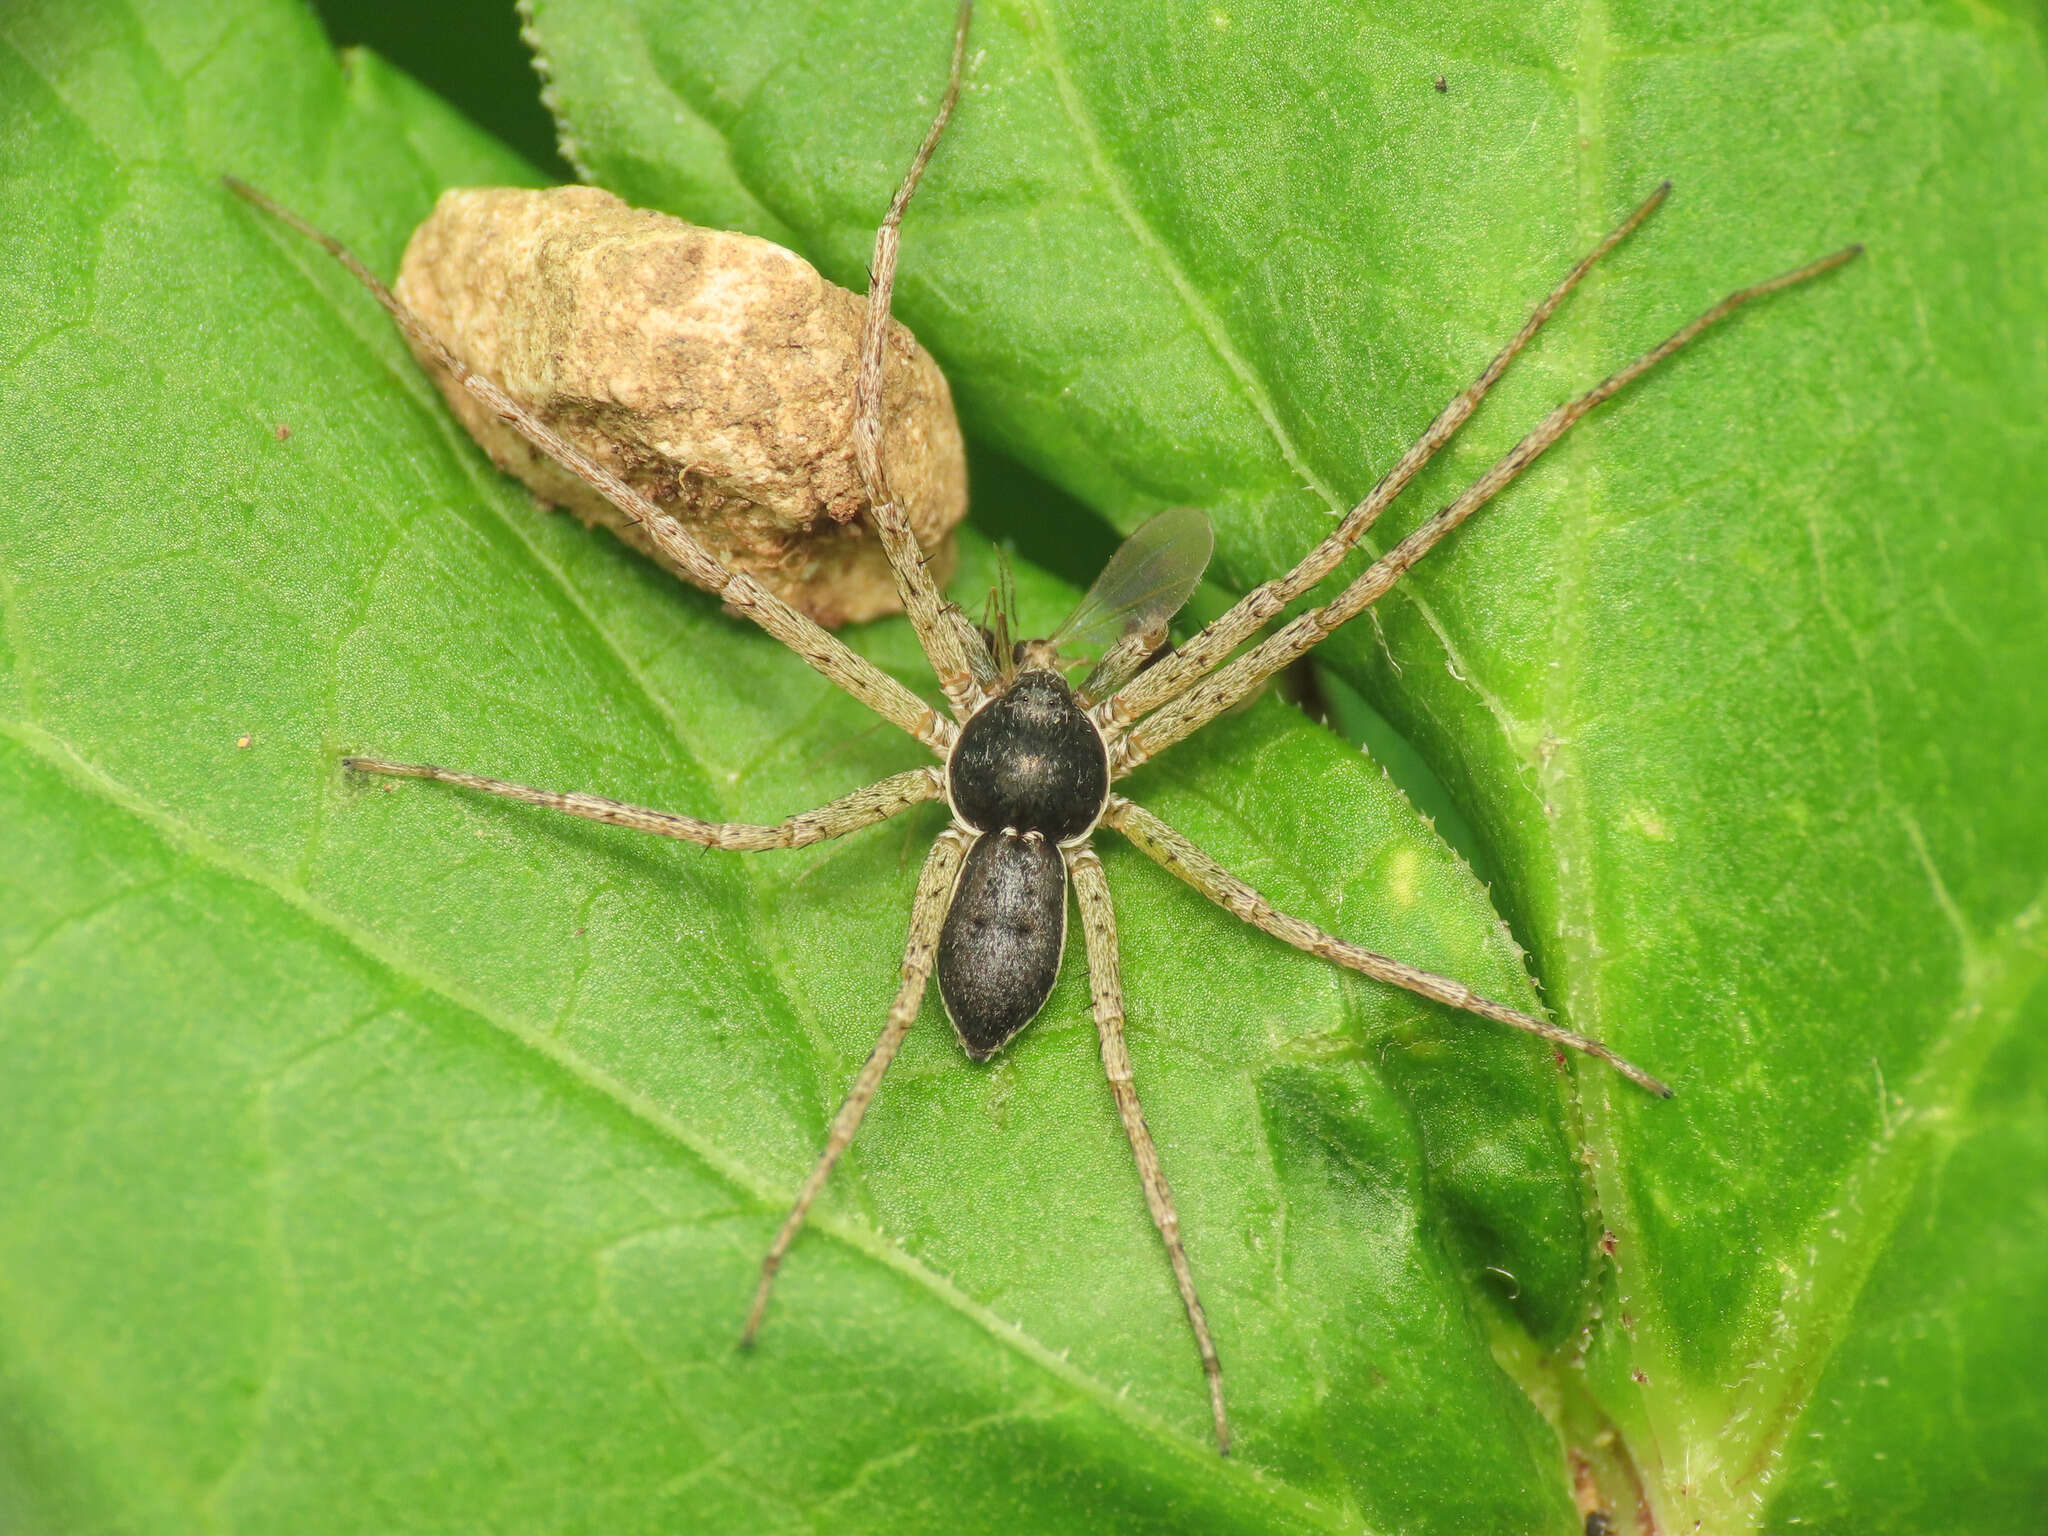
point(1726, 685)
point(400, 1160)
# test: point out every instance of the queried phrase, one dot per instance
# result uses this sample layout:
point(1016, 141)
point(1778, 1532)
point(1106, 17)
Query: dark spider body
point(1030, 760)
point(999, 953)
point(1029, 772)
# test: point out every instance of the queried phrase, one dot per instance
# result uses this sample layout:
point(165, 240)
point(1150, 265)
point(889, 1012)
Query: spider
point(1027, 761)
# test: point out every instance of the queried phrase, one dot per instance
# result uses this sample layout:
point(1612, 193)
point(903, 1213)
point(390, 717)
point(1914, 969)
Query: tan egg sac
point(712, 371)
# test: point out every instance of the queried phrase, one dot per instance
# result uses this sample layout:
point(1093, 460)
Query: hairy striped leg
point(825, 652)
point(863, 808)
point(1220, 692)
point(1105, 985)
point(1120, 663)
point(956, 652)
point(927, 916)
point(1175, 853)
point(1202, 654)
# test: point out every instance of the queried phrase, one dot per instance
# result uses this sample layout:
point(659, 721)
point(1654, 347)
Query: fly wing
point(1145, 583)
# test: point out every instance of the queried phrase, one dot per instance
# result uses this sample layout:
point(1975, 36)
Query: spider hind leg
point(927, 915)
point(1105, 985)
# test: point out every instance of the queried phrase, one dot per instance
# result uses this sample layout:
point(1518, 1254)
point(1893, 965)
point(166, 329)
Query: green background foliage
point(399, 1161)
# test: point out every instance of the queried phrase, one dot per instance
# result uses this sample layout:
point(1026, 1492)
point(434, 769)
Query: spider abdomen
point(1031, 761)
point(999, 952)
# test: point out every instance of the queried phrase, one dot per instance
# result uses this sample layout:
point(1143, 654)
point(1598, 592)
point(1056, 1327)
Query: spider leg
point(742, 594)
point(1208, 699)
point(1120, 663)
point(1202, 654)
point(927, 916)
point(955, 651)
point(863, 808)
point(1175, 853)
point(1105, 984)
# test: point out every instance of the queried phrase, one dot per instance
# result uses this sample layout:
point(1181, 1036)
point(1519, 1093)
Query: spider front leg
point(1203, 653)
point(1106, 989)
point(955, 651)
point(1120, 663)
point(927, 917)
point(823, 651)
point(1175, 853)
point(863, 808)
point(1203, 703)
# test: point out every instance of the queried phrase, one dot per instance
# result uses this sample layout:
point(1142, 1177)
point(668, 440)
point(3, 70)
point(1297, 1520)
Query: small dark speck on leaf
point(1608, 1243)
point(1639, 1377)
point(1441, 85)
point(282, 431)
point(1598, 1523)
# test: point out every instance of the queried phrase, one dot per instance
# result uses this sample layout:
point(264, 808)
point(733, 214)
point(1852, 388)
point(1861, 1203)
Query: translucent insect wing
point(1147, 580)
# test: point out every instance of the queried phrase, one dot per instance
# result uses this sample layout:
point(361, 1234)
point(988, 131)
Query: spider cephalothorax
point(1028, 762)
